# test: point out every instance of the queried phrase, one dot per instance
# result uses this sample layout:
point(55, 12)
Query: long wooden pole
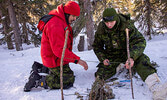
point(61, 64)
point(128, 53)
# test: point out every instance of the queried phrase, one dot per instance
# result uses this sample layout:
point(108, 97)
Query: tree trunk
point(15, 26)
point(89, 23)
point(80, 22)
point(25, 34)
point(148, 17)
point(81, 43)
point(5, 30)
point(7, 35)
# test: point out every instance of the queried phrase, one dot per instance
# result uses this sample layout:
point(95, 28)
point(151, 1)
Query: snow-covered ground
point(15, 67)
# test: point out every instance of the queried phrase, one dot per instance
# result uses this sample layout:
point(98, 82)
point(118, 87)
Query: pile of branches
point(100, 91)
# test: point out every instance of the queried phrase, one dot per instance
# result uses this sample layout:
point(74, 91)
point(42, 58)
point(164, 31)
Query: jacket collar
point(59, 12)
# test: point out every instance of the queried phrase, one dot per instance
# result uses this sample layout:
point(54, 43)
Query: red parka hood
point(59, 12)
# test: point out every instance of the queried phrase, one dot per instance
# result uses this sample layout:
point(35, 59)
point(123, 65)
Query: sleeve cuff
point(76, 61)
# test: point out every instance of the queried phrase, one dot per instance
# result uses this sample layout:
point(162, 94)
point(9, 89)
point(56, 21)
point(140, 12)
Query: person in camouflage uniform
point(110, 46)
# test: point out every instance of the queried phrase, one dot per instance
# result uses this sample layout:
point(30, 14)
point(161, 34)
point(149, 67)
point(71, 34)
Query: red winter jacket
point(53, 38)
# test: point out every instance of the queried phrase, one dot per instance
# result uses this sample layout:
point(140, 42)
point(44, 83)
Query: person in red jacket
point(53, 37)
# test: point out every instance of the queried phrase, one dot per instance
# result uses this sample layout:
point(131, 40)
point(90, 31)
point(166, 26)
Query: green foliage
point(163, 17)
point(35, 39)
point(151, 16)
point(28, 13)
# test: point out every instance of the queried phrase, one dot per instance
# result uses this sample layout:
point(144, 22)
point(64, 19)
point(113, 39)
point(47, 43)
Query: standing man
point(53, 37)
point(110, 46)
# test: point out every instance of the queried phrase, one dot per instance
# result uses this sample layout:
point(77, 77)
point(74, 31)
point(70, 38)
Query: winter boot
point(158, 90)
point(37, 67)
point(42, 82)
point(33, 80)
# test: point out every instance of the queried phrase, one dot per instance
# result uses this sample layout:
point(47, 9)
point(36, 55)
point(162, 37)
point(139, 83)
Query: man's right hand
point(106, 62)
point(83, 63)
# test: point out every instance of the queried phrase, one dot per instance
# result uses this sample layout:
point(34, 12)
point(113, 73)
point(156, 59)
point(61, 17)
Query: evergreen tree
point(28, 18)
point(27, 14)
point(124, 6)
point(163, 17)
point(6, 29)
point(80, 21)
point(98, 8)
point(147, 16)
point(15, 25)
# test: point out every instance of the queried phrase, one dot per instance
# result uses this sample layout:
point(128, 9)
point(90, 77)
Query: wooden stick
point(128, 53)
point(61, 64)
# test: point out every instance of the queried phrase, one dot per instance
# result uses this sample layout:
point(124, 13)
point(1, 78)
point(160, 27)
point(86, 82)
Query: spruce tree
point(163, 17)
point(6, 29)
point(14, 24)
point(147, 16)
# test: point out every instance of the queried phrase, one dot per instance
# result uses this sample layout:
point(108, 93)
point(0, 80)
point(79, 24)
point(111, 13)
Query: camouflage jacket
point(111, 43)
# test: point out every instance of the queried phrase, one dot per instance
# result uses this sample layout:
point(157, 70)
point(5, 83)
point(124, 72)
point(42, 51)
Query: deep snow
point(15, 67)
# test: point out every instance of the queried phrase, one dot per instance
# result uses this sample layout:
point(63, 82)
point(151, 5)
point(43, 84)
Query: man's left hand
point(131, 63)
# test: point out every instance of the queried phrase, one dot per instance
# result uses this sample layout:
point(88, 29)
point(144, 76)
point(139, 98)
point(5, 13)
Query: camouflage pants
point(53, 79)
point(142, 66)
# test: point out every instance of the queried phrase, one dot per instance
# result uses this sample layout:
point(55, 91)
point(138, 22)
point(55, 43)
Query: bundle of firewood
point(100, 91)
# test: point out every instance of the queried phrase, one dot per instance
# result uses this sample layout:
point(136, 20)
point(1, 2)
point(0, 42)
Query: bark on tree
point(25, 34)
point(89, 23)
point(81, 43)
point(148, 14)
point(80, 22)
point(15, 25)
point(6, 31)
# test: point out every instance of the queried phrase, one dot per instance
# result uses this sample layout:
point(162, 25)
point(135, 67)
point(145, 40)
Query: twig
point(95, 61)
point(128, 53)
point(61, 64)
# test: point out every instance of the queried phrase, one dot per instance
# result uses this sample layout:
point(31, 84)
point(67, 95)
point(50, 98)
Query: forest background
point(19, 18)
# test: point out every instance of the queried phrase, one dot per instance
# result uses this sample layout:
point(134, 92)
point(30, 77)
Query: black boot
point(32, 82)
point(39, 68)
point(35, 80)
point(42, 82)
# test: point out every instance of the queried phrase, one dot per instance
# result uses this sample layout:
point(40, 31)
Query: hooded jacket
point(111, 43)
point(53, 38)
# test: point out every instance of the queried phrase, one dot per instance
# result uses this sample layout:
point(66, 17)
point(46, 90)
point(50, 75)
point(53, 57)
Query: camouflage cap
point(109, 14)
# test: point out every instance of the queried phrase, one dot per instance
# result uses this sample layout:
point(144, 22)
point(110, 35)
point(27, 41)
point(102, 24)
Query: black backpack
point(42, 22)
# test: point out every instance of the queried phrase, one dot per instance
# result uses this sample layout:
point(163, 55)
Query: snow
point(1, 36)
point(16, 65)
